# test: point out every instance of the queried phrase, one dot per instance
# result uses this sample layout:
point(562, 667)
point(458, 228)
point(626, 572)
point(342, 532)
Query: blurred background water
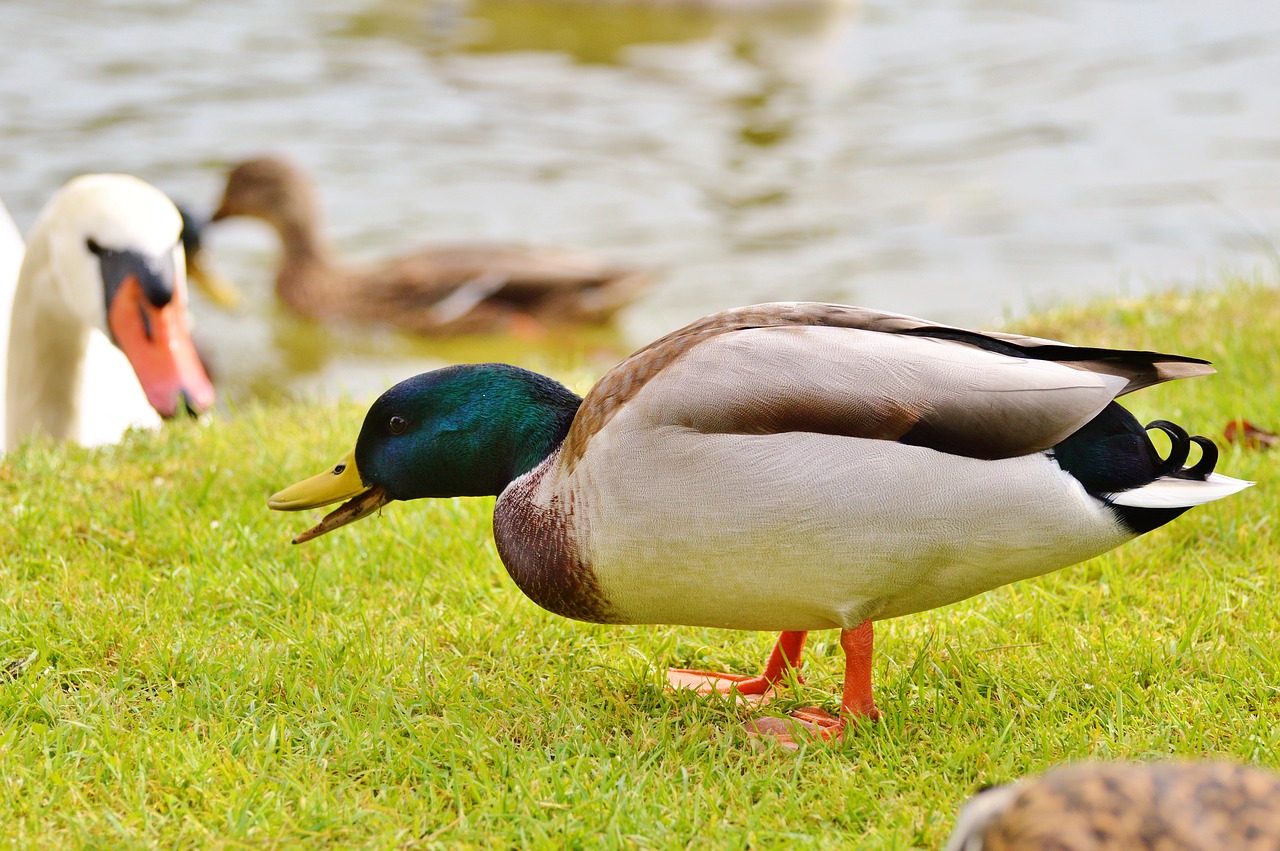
point(956, 159)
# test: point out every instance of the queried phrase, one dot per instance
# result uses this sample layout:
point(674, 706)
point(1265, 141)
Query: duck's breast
point(810, 531)
point(539, 535)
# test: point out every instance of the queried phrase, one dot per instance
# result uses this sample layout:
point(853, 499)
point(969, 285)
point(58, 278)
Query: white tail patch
point(1179, 493)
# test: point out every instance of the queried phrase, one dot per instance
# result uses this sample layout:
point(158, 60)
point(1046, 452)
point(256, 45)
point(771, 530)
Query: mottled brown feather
point(1141, 807)
point(535, 543)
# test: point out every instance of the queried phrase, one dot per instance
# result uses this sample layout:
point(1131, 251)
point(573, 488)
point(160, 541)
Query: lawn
point(174, 673)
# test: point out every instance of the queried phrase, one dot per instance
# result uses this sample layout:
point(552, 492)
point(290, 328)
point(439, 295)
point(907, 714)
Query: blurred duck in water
point(465, 288)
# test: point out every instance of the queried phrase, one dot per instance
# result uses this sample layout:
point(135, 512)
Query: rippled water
point(959, 160)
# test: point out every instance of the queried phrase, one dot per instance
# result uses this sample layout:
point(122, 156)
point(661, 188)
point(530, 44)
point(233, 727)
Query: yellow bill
point(340, 482)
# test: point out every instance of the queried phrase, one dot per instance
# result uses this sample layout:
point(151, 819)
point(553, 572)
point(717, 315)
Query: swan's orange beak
point(158, 344)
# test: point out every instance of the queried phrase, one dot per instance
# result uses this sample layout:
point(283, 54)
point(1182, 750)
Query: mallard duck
point(1189, 806)
point(97, 332)
point(448, 289)
point(786, 467)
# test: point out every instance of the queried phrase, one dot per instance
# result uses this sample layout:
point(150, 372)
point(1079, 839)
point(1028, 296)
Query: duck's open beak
point(219, 290)
point(157, 342)
point(342, 481)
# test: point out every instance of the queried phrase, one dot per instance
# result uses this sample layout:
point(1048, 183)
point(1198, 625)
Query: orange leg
point(856, 701)
point(786, 654)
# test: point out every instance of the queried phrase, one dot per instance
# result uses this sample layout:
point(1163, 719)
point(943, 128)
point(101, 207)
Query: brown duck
point(467, 288)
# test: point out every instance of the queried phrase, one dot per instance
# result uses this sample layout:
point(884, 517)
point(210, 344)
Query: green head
point(462, 431)
point(459, 431)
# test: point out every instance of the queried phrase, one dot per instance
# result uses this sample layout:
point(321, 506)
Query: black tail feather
point(1179, 447)
point(1113, 453)
point(1208, 459)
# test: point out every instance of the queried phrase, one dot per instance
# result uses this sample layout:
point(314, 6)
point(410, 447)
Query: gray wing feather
point(937, 393)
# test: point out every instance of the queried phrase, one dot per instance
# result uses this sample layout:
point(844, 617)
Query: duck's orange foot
point(749, 689)
point(785, 656)
point(808, 722)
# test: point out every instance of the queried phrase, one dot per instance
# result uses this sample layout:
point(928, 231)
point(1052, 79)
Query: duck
point(1108, 806)
point(448, 289)
point(787, 467)
point(97, 332)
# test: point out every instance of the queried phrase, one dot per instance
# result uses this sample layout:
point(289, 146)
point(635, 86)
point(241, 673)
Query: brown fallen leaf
point(1249, 435)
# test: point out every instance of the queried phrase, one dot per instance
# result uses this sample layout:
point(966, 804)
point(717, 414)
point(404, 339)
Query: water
point(959, 160)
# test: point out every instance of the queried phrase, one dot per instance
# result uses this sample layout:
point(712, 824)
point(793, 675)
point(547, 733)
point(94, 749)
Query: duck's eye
point(397, 425)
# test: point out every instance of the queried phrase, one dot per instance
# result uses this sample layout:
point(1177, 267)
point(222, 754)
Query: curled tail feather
point(1179, 486)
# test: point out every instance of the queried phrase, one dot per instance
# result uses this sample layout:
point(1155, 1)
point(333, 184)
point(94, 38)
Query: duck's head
point(268, 188)
point(465, 430)
point(112, 245)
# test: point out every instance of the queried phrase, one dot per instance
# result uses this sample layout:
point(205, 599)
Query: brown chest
point(540, 552)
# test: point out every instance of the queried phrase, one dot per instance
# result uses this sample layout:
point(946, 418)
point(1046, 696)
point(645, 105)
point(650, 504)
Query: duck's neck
point(538, 437)
point(301, 238)
point(516, 429)
point(46, 361)
point(307, 269)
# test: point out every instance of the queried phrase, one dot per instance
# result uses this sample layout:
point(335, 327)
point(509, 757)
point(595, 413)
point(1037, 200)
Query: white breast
point(11, 250)
point(809, 531)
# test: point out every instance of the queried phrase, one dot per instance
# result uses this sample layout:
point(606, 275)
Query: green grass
point(174, 673)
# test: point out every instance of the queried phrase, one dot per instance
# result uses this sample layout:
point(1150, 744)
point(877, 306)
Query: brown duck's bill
point(219, 290)
point(353, 509)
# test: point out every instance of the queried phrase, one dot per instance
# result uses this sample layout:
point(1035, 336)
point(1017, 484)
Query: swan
point(95, 316)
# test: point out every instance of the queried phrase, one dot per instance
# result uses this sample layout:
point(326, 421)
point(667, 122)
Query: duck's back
point(485, 287)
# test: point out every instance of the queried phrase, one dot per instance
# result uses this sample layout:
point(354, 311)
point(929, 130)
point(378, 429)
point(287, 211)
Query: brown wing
point(463, 285)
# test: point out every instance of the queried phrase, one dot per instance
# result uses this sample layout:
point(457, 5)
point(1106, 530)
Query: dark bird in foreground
point(1127, 807)
point(468, 288)
point(787, 467)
